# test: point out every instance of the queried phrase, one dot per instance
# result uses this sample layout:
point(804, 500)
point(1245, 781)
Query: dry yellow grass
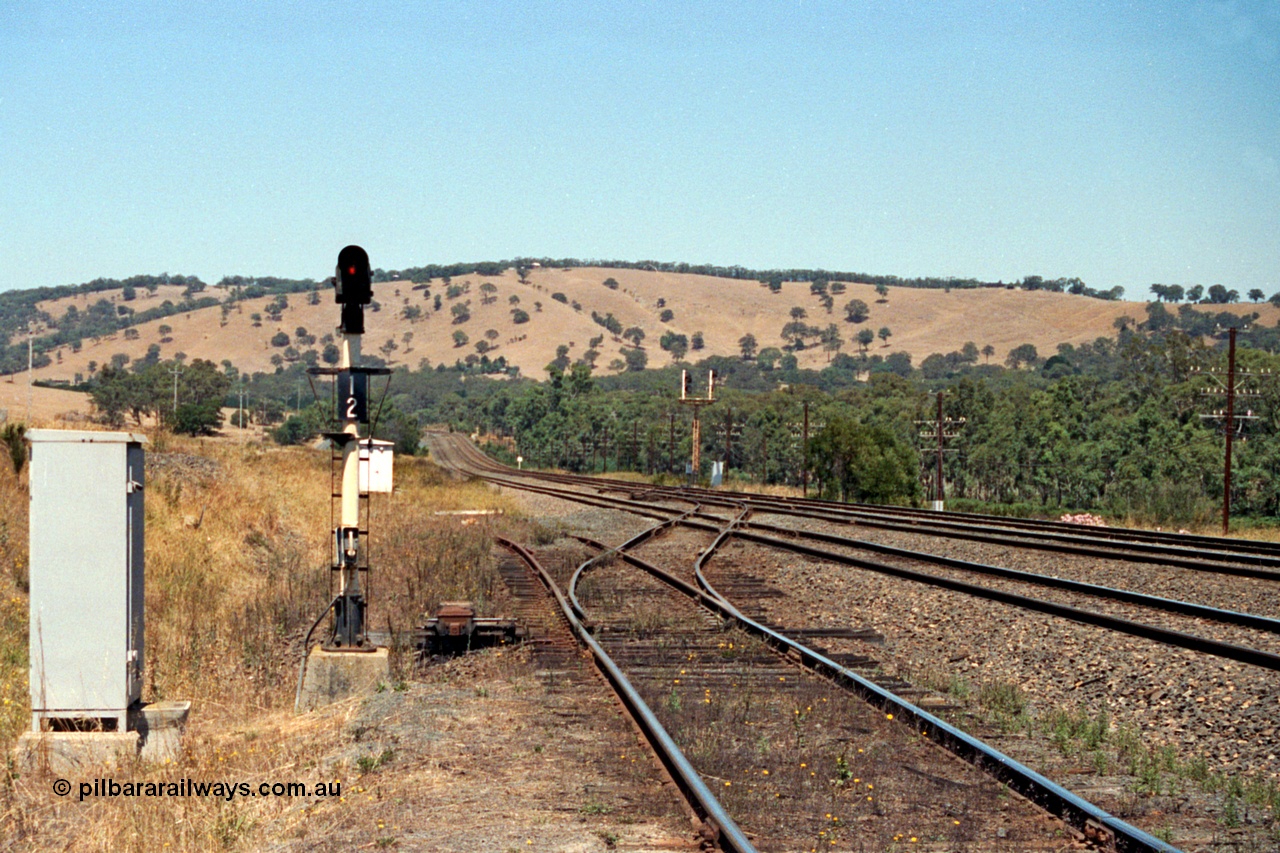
point(237, 568)
point(922, 321)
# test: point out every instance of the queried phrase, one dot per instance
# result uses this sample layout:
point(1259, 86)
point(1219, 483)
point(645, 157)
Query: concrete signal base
point(334, 676)
point(154, 734)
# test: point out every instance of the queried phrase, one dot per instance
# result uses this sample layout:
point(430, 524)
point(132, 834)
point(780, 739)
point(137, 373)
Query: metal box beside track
point(86, 628)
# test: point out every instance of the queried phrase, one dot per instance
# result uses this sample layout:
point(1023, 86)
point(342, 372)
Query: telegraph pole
point(30, 371)
point(671, 445)
point(176, 370)
point(939, 498)
point(1231, 420)
point(940, 434)
point(804, 466)
point(728, 439)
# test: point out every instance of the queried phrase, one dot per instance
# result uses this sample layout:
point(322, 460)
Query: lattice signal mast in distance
point(687, 398)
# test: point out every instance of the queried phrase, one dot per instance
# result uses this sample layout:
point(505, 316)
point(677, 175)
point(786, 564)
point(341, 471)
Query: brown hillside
point(922, 321)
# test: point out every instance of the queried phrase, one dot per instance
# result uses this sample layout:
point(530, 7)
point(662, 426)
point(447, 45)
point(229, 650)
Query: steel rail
point(1184, 608)
point(724, 831)
point(1242, 654)
point(1094, 823)
point(1204, 645)
point(1218, 543)
point(1230, 651)
point(1105, 533)
point(1142, 546)
point(1218, 562)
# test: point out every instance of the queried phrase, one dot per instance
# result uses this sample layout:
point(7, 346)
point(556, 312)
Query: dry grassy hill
point(922, 321)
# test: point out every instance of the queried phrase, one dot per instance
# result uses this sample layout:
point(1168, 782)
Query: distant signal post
point(687, 398)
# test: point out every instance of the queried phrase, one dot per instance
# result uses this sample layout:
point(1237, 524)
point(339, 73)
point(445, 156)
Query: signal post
point(686, 385)
point(333, 672)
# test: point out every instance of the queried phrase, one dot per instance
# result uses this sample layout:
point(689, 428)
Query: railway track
point(1182, 698)
point(1211, 554)
point(706, 667)
point(557, 635)
point(897, 787)
point(1260, 629)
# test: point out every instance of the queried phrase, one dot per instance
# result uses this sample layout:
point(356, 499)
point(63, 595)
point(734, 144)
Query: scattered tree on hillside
point(487, 291)
point(676, 344)
point(460, 338)
point(856, 311)
point(831, 340)
point(519, 315)
point(769, 358)
point(667, 315)
point(865, 338)
point(635, 334)
point(636, 359)
point(882, 290)
point(1256, 295)
point(560, 297)
point(696, 342)
point(1022, 354)
point(1219, 295)
point(611, 283)
point(885, 334)
point(795, 332)
point(988, 351)
point(747, 345)
point(561, 361)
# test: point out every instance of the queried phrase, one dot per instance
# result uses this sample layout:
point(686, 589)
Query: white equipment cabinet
point(86, 630)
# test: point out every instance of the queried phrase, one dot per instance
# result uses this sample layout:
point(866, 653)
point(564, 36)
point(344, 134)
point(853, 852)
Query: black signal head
point(353, 282)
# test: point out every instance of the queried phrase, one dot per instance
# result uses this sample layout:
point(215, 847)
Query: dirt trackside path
point(484, 753)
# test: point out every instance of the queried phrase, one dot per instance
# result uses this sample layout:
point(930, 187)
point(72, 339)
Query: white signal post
point(349, 517)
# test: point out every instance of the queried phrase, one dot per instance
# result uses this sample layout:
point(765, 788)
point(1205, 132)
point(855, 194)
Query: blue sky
point(1124, 143)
